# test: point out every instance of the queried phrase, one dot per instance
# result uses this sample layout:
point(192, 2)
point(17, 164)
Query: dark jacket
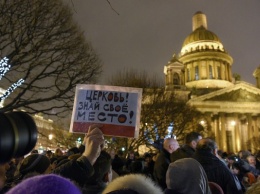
point(118, 165)
point(218, 172)
point(171, 191)
point(183, 152)
point(76, 170)
point(160, 168)
point(94, 189)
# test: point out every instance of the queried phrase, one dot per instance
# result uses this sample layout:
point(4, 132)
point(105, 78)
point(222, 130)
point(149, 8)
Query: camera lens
point(18, 135)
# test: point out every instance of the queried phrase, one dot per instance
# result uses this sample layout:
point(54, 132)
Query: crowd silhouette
point(197, 167)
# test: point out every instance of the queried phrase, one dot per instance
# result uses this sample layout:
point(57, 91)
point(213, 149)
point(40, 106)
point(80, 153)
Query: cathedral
point(202, 72)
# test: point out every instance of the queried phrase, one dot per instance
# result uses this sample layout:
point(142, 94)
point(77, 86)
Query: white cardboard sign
point(116, 108)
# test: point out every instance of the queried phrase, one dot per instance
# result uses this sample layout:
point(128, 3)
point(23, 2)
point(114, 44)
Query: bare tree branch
point(112, 7)
point(48, 50)
point(160, 109)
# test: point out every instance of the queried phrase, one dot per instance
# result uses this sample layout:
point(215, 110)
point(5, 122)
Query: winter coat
point(160, 168)
point(218, 172)
point(183, 152)
point(76, 170)
point(94, 189)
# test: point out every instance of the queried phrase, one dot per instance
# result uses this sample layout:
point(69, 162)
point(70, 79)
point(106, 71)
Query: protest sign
point(116, 108)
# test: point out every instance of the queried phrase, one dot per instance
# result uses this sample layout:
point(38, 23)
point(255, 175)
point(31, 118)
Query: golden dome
point(201, 34)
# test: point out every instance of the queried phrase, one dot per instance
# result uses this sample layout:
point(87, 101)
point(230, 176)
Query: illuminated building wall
point(203, 71)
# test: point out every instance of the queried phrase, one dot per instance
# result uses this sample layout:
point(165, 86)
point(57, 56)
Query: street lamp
point(50, 137)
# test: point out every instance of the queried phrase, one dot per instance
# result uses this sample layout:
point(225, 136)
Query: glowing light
point(202, 122)
point(233, 123)
point(4, 68)
point(11, 89)
point(50, 137)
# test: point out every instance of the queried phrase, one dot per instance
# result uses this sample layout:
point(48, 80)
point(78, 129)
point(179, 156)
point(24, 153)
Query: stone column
point(249, 129)
point(244, 133)
point(237, 139)
point(254, 130)
point(187, 70)
point(217, 130)
point(223, 132)
point(207, 68)
point(214, 69)
point(201, 69)
point(227, 72)
point(171, 77)
point(257, 126)
point(221, 72)
point(192, 72)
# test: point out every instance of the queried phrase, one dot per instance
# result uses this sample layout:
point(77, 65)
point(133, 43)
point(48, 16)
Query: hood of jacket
point(136, 182)
point(187, 176)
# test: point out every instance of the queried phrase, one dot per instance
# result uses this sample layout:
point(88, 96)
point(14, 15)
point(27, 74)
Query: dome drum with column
point(206, 64)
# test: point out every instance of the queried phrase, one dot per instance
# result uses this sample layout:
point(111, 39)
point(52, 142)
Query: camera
point(18, 135)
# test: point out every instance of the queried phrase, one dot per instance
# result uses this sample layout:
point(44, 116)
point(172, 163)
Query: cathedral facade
point(203, 71)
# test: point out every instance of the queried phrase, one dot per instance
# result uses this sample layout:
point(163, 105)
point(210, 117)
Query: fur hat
point(43, 184)
point(34, 163)
point(132, 184)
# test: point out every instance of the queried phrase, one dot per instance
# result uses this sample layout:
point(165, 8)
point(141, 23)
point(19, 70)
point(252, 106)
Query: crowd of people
point(197, 167)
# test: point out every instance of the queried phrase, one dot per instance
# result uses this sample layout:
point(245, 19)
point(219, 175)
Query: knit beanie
point(34, 163)
point(43, 184)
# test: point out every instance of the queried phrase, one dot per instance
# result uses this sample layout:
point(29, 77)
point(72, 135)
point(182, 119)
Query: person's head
point(148, 157)
point(58, 152)
point(73, 150)
point(112, 153)
point(132, 184)
point(137, 155)
point(237, 168)
point(186, 176)
point(251, 160)
point(131, 155)
point(43, 184)
point(207, 145)
point(243, 154)
point(233, 158)
point(171, 145)
point(192, 139)
point(102, 169)
point(120, 153)
point(137, 166)
point(49, 153)
point(35, 163)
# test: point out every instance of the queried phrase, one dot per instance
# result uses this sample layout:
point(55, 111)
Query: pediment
point(240, 92)
point(240, 95)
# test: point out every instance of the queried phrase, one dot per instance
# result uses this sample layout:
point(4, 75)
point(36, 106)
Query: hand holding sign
point(94, 143)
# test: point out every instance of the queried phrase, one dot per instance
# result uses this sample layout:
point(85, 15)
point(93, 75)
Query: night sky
point(146, 33)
